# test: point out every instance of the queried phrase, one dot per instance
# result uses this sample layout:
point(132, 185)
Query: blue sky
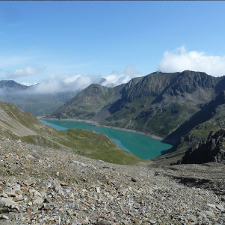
point(67, 40)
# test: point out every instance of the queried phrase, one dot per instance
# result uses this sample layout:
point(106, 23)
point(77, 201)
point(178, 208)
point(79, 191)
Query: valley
point(181, 108)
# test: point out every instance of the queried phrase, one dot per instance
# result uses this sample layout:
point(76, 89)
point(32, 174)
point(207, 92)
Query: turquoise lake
point(137, 144)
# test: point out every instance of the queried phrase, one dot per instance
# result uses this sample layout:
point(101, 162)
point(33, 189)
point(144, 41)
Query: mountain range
point(182, 108)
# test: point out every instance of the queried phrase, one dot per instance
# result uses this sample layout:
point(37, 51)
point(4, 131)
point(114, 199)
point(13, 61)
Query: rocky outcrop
point(210, 150)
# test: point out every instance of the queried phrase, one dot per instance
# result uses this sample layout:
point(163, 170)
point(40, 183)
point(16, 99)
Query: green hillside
point(18, 125)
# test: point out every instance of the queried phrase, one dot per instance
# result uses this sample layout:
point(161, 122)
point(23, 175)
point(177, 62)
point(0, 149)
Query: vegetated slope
point(86, 104)
point(28, 100)
point(16, 124)
point(158, 103)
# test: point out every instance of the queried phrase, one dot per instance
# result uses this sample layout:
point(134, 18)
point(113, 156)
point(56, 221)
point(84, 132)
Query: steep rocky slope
point(198, 127)
point(211, 149)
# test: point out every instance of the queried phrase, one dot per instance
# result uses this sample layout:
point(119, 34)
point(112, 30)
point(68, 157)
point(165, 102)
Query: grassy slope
point(87, 143)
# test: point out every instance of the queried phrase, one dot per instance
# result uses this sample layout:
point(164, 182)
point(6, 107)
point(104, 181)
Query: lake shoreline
point(116, 128)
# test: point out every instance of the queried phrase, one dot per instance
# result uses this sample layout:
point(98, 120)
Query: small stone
point(4, 195)
point(191, 220)
point(38, 200)
point(29, 211)
point(220, 207)
point(133, 179)
point(97, 189)
point(210, 213)
point(4, 217)
point(152, 221)
point(211, 205)
point(11, 194)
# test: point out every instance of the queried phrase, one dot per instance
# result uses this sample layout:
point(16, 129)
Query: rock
point(4, 195)
point(82, 164)
point(133, 179)
point(38, 201)
point(30, 157)
point(4, 217)
point(220, 207)
point(208, 150)
point(211, 205)
point(210, 213)
point(97, 189)
point(9, 201)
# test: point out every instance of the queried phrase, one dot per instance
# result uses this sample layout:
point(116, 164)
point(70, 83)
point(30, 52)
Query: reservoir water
point(137, 144)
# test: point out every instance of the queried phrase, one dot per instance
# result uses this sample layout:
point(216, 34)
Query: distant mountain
point(35, 99)
point(28, 100)
point(10, 84)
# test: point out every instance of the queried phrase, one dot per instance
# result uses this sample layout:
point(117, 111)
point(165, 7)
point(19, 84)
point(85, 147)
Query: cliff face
point(210, 150)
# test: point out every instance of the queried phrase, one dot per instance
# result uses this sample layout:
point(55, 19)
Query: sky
point(79, 42)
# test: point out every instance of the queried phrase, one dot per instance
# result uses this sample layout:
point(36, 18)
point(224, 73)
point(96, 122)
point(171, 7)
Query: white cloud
point(54, 84)
point(28, 84)
point(115, 78)
point(77, 82)
point(25, 72)
point(180, 60)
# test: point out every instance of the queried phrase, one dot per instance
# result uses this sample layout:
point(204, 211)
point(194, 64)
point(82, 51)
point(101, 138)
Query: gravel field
point(48, 186)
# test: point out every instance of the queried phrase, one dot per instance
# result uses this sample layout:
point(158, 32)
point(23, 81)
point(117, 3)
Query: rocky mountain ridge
point(169, 105)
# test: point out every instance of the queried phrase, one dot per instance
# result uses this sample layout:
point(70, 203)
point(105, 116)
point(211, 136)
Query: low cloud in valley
point(54, 84)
